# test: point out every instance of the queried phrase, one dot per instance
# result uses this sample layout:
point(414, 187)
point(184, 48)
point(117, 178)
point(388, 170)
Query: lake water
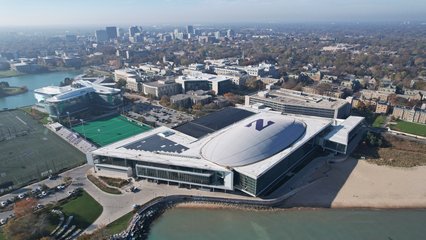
point(306, 224)
point(32, 81)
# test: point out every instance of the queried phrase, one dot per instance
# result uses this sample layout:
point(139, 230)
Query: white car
point(2, 221)
point(22, 196)
point(3, 204)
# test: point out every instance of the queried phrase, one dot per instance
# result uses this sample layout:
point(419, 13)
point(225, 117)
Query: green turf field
point(29, 151)
point(105, 131)
point(409, 127)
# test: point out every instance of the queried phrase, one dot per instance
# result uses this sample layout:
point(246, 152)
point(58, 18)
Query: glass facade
point(92, 102)
point(197, 85)
point(168, 172)
point(174, 175)
point(264, 182)
point(72, 106)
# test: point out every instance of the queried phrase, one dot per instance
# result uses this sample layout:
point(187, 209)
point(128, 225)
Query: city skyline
point(127, 12)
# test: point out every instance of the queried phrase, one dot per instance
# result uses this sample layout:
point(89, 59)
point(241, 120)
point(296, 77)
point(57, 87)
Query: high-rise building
point(230, 33)
point(101, 36)
point(133, 30)
point(190, 29)
point(111, 32)
point(217, 35)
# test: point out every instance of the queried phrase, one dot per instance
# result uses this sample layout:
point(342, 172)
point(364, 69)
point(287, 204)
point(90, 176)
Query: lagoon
point(32, 81)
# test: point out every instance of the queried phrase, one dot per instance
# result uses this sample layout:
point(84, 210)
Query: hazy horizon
point(90, 13)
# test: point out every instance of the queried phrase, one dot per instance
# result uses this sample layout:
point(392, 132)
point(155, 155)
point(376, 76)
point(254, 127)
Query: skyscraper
point(230, 33)
point(190, 29)
point(101, 35)
point(133, 30)
point(111, 32)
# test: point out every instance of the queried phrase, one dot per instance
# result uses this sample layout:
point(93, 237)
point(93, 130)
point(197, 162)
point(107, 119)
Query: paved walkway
point(115, 206)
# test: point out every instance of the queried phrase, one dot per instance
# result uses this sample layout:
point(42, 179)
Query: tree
point(165, 101)
point(24, 207)
point(29, 226)
point(197, 107)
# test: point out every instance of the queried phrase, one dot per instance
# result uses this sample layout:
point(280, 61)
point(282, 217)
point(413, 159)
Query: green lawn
point(84, 208)
point(1, 235)
point(9, 73)
point(408, 127)
point(379, 121)
point(120, 224)
point(110, 130)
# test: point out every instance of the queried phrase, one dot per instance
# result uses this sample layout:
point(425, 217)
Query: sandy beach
point(359, 184)
point(351, 184)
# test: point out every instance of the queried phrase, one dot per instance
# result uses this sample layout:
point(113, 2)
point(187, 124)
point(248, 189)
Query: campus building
point(161, 88)
point(81, 97)
point(206, 82)
point(233, 149)
point(295, 102)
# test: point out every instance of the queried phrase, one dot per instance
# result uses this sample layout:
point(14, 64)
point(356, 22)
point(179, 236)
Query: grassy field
point(84, 208)
point(379, 121)
point(9, 73)
point(408, 127)
point(119, 225)
point(29, 151)
point(1, 235)
point(109, 130)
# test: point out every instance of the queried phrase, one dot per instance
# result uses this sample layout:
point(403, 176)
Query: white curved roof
point(253, 139)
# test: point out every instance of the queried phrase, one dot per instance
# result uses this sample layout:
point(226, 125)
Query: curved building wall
point(253, 140)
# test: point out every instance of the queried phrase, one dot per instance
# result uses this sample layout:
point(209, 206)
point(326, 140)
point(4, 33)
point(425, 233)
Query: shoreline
point(204, 205)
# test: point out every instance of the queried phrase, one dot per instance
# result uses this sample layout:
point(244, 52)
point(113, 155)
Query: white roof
point(185, 159)
point(340, 133)
point(53, 90)
point(253, 139)
point(238, 146)
point(202, 77)
point(314, 125)
point(71, 94)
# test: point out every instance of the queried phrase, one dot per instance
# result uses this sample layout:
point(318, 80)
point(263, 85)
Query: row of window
point(172, 176)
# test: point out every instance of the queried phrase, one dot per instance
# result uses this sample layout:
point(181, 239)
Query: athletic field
point(29, 151)
point(109, 130)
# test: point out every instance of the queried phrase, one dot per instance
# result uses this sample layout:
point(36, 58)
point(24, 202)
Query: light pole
point(69, 119)
point(84, 131)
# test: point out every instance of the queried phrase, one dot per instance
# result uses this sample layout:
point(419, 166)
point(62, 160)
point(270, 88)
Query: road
point(77, 175)
point(114, 206)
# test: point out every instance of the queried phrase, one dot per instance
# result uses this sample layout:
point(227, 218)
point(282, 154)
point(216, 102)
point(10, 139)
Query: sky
point(148, 12)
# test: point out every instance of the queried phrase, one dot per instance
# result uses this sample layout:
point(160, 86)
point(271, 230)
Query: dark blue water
point(32, 81)
point(323, 224)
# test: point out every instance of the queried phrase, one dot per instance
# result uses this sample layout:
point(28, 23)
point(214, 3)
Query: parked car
point(3, 204)
point(53, 176)
point(3, 221)
point(22, 195)
point(60, 187)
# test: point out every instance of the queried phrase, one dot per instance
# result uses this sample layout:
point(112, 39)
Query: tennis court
point(109, 130)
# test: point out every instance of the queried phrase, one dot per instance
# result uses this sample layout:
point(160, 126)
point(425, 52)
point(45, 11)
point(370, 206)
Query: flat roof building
point(252, 153)
point(204, 81)
point(295, 102)
point(161, 88)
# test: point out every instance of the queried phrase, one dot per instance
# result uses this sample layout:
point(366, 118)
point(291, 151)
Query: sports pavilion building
point(233, 149)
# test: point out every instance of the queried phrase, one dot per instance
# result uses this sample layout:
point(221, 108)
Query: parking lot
point(158, 115)
point(50, 188)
